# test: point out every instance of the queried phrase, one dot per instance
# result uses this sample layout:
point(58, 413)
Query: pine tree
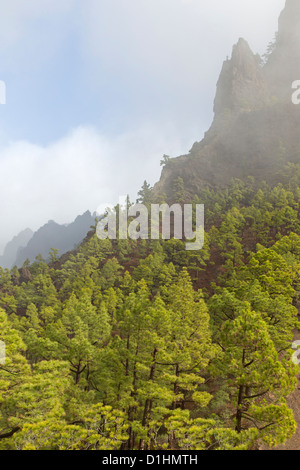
point(258, 380)
point(144, 194)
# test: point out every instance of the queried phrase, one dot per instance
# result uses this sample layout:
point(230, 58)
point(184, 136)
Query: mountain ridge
point(29, 244)
point(12, 248)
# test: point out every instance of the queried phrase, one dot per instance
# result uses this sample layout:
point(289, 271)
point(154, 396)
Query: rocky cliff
point(256, 127)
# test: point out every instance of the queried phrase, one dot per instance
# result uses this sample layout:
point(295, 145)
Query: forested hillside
point(127, 344)
point(144, 345)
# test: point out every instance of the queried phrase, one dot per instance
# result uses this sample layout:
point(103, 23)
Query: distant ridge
point(7, 260)
point(52, 235)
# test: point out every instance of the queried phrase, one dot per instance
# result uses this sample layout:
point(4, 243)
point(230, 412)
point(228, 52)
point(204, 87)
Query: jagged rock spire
point(241, 85)
point(255, 131)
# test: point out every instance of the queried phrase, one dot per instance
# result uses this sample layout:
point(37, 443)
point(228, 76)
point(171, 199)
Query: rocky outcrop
point(256, 128)
point(241, 86)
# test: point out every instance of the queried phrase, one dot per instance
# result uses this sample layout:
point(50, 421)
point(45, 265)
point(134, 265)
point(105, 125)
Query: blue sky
point(99, 90)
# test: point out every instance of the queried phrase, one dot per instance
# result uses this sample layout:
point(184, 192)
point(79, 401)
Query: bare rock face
point(241, 86)
point(283, 66)
point(256, 127)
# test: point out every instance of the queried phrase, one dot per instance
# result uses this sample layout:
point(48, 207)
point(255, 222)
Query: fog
point(98, 91)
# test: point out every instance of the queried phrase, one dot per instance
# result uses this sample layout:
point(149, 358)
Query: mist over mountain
point(283, 65)
point(131, 344)
point(11, 250)
point(54, 235)
point(255, 130)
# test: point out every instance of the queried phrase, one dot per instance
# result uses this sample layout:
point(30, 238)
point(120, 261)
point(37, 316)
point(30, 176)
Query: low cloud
point(82, 171)
point(144, 77)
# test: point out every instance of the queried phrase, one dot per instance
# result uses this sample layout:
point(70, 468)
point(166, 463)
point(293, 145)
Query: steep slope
point(255, 130)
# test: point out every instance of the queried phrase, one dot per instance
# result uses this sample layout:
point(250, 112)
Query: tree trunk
point(148, 402)
point(239, 412)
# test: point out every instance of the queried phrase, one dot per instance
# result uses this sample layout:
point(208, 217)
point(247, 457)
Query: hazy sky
point(99, 90)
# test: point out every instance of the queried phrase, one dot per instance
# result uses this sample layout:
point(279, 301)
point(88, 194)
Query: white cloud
point(162, 53)
point(82, 171)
